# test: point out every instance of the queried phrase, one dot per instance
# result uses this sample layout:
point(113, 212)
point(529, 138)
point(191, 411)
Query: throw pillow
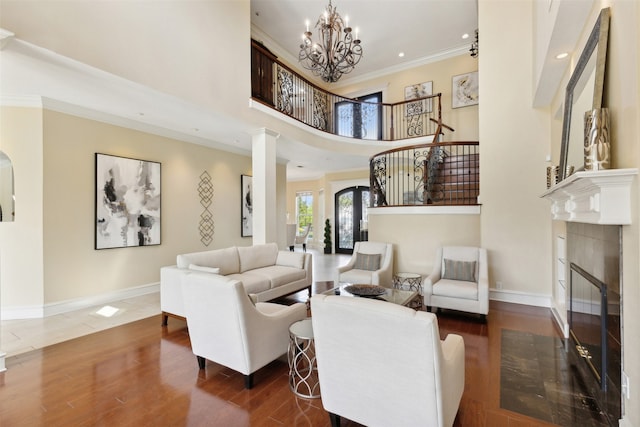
point(369, 262)
point(290, 259)
point(195, 267)
point(459, 270)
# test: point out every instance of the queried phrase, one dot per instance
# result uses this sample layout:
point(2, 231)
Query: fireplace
point(594, 254)
point(588, 321)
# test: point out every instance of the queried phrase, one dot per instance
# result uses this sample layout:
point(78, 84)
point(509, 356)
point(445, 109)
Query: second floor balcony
point(431, 174)
point(279, 87)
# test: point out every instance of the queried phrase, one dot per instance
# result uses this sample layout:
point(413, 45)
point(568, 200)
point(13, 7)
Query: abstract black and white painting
point(246, 182)
point(127, 202)
point(464, 90)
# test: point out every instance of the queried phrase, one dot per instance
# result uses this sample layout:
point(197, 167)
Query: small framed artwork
point(246, 194)
point(464, 90)
point(416, 91)
point(127, 202)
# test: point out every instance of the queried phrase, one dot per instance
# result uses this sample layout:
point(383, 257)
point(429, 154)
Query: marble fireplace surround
point(595, 206)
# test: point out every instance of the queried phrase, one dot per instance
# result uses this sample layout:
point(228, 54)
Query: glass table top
point(396, 296)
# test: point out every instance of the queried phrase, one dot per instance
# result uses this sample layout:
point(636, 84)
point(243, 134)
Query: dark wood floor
point(144, 374)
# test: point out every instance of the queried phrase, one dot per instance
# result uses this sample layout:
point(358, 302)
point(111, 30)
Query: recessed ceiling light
point(196, 130)
point(465, 36)
point(562, 55)
point(401, 54)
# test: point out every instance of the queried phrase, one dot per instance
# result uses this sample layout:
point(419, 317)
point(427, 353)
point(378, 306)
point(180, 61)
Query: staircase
point(456, 181)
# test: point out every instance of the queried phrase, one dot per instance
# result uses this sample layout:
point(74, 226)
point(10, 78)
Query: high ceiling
point(424, 30)
point(421, 29)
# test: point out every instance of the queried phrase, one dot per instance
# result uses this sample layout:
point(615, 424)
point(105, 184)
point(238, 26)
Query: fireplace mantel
point(594, 197)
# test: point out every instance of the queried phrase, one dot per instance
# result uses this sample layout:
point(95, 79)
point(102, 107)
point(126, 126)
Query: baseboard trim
point(624, 422)
point(22, 312)
point(564, 327)
point(35, 312)
point(515, 297)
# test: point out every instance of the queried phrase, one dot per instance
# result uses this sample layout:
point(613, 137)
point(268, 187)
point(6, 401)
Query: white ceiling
point(423, 29)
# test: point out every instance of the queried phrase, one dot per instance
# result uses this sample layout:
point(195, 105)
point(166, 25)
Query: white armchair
point(382, 364)
point(371, 264)
point(301, 239)
point(459, 280)
point(225, 326)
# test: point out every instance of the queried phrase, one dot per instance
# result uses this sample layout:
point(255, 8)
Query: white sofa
point(265, 272)
point(382, 364)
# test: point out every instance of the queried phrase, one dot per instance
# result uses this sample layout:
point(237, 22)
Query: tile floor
point(20, 336)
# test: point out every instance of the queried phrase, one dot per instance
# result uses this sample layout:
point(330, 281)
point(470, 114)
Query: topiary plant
point(327, 237)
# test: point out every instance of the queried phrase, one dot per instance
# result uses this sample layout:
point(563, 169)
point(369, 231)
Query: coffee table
point(395, 296)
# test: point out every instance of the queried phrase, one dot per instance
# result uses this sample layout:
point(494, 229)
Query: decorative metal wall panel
point(206, 226)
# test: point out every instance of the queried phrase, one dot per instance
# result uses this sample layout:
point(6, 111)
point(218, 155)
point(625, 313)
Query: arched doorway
point(351, 206)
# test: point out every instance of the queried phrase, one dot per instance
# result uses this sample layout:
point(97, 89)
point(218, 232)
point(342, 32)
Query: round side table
point(411, 282)
point(303, 370)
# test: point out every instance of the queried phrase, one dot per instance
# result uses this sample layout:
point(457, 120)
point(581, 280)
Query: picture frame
point(416, 91)
point(127, 202)
point(464, 90)
point(246, 209)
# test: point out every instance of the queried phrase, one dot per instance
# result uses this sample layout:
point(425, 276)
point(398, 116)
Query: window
point(358, 120)
point(304, 211)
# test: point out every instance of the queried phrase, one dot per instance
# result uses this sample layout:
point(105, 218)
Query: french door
point(351, 206)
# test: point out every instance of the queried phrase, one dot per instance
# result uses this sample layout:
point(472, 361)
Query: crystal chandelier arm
point(336, 53)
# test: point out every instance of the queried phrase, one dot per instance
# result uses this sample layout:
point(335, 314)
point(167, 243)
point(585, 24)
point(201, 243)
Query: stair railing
point(440, 173)
point(277, 86)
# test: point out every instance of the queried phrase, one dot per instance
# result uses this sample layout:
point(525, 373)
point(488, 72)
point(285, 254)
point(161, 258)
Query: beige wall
point(149, 42)
point(47, 256)
point(416, 237)
point(515, 221)
point(622, 96)
point(21, 241)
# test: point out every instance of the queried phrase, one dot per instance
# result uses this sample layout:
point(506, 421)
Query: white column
point(3, 355)
point(264, 186)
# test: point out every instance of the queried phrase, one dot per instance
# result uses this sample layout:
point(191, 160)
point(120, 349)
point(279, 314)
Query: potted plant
point(327, 237)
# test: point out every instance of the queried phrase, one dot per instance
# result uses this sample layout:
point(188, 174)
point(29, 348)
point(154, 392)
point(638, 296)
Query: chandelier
point(475, 47)
point(337, 51)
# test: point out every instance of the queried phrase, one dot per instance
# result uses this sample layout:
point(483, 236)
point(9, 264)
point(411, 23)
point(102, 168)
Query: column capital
point(265, 131)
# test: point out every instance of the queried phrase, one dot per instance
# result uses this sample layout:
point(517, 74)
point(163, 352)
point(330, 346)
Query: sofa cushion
point(253, 284)
point(369, 262)
point(290, 259)
point(459, 270)
point(225, 259)
point(279, 275)
point(195, 267)
point(356, 276)
point(456, 289)
point(252, 257)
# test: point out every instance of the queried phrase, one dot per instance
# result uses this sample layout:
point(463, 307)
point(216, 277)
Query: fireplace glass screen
point(587, 320)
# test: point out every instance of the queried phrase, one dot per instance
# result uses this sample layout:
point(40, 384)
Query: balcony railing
point(279, 87)
point(445, 173)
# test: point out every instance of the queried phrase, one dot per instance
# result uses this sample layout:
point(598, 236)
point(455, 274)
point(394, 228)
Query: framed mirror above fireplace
point(583, 93)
